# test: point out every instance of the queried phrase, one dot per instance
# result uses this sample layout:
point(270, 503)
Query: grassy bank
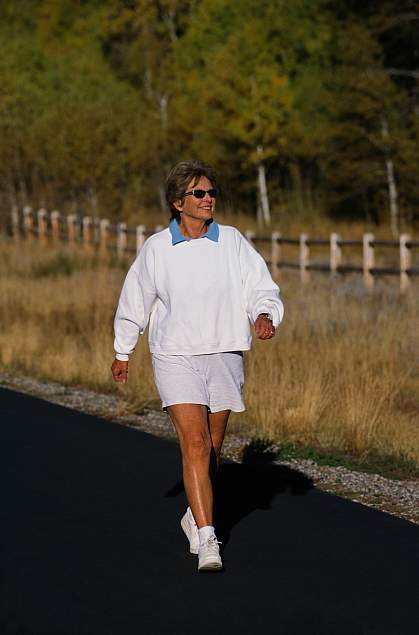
point(341, 376)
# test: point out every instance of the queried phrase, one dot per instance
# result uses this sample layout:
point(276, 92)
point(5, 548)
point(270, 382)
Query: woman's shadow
point(241, 488)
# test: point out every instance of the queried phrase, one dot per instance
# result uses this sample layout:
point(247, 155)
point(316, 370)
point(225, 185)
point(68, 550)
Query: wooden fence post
point(15, 222)
point(28, 222)
point(103, 236)
point(405, 262)
point(87, 231)
point(304, 258)
point(335, 253)
point(121, 239)
point(55, 225)
point(71, 228)
point(42, 225)
point(368, 259)
point(96, 230)
point(275, 253)
point(140, 237)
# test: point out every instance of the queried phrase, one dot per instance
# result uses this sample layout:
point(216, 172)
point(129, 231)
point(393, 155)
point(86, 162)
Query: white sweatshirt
point(198, 296)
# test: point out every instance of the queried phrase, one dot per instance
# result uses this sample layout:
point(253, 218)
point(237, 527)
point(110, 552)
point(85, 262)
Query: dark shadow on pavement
point(241, 488)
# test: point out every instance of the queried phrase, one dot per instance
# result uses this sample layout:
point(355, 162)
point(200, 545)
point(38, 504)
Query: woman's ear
point(178, 205)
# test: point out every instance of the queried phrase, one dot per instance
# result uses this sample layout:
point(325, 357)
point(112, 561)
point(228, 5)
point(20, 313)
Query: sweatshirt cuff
point(273, 312)
point(122, 357)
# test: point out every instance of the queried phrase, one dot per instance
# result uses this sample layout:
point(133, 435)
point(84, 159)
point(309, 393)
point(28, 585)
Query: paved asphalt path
point(90, 541)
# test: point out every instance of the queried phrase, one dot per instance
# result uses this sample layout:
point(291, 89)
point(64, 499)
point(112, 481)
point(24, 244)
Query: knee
point(197, 446)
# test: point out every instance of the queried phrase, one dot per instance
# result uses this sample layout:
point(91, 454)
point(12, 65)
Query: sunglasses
point(201, 193)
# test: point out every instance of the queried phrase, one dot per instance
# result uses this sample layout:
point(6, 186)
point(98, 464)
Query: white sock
point(191, 516)
point(205, 533)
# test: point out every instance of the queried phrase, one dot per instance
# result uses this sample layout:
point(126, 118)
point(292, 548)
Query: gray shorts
point(215, 380)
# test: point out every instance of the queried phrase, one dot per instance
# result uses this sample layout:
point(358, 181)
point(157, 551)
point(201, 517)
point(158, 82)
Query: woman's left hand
point(264, 328)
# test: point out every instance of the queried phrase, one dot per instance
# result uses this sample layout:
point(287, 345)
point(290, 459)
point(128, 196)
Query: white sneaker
point(190, 528)
point(209, 558)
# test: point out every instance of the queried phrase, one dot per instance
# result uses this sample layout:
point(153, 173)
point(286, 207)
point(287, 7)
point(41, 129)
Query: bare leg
point(191, 424)
point(217, 425)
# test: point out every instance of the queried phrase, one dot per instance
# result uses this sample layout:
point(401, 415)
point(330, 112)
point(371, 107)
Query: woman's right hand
point(120, 371)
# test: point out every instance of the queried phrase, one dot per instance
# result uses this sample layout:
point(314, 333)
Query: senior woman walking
point(199, 285)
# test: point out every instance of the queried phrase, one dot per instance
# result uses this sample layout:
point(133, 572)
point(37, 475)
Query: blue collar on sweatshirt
point(212, 232)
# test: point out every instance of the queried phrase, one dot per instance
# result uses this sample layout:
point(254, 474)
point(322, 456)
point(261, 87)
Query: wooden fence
point(123, 240)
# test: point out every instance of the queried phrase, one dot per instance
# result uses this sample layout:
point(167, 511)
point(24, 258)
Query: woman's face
point(199, 208)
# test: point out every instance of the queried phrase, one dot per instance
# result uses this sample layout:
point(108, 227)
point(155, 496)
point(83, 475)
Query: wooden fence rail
point(94, 231)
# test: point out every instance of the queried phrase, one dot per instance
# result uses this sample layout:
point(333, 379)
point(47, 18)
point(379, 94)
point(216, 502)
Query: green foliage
point(98, 99)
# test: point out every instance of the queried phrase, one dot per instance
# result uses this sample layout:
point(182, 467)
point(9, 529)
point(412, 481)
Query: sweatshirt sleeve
point(135, 304)
point(261, 293)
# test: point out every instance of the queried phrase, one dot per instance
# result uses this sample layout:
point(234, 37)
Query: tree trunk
point(259, 217)
point(392, 192)
point(163, 115)
point(169, 17)
point(11, 191)
point(162, 198)
point(164, 167)
point(263, 190)
point(93, 200)
point(391, 181)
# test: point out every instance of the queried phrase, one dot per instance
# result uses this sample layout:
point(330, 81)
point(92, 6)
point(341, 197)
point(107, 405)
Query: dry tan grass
point(342, 372)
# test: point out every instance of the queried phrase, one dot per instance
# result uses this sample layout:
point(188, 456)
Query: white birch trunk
point(391, 182)
point(259, 217)
point(263, 190)
point(169, 18)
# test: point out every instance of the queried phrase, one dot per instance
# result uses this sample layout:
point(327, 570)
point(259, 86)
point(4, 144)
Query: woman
point(198, 285)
